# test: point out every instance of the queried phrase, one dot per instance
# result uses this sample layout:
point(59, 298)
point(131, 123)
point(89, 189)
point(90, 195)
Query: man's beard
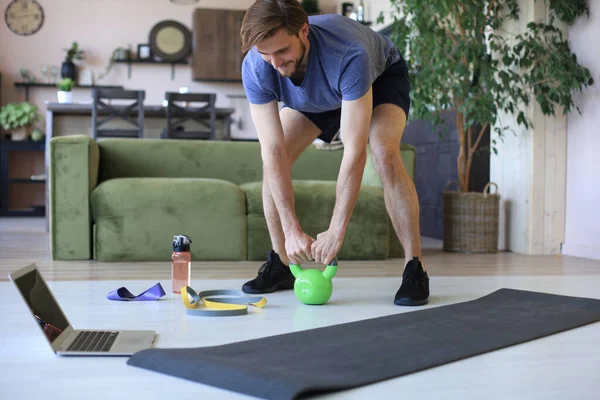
point(297, 63)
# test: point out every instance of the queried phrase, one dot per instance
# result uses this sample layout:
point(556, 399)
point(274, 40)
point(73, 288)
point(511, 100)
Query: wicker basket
point(471, 220)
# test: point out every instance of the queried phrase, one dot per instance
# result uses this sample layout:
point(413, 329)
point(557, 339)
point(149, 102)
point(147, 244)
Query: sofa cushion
point(367, 234)
point(136, 218)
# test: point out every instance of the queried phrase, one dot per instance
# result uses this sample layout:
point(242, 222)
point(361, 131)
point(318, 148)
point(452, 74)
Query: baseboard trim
point(578, 250)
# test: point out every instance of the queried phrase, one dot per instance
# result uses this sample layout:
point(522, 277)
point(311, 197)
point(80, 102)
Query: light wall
point(374, 8)
point(99, 26)
point(545, 174)
point(582, 236)
point(529, 168)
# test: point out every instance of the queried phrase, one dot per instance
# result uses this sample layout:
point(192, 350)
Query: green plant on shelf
point(18, 115)
point(118, 54)
point(74, 53)
point(65, 85)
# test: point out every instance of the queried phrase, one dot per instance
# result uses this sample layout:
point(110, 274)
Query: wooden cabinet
point(217, 54)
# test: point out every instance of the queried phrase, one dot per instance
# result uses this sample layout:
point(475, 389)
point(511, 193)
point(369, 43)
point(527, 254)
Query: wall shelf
point(136, 61)
point(27, 85)
point(25, 180)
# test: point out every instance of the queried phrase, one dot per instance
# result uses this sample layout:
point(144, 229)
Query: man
point(331, 73)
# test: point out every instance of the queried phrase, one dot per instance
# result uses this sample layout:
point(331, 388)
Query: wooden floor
point(25, 240)
point(559, 366)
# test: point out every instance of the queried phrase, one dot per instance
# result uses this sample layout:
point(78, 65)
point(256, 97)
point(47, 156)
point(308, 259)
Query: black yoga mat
point(349, 355)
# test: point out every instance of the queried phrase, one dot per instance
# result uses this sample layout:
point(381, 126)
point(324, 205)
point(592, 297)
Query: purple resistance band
point(154, 293)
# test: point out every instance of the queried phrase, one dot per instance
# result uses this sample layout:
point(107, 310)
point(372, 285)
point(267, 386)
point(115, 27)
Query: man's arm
point(355, 122)
point(354, 127)
point(278, 172)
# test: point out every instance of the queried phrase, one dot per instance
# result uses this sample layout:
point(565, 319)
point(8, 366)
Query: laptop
point(60, 334)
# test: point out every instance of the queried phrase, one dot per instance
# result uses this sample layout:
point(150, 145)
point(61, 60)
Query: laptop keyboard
point(93, 341)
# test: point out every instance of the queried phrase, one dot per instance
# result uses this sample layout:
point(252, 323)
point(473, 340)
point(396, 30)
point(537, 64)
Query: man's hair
point(265, 17)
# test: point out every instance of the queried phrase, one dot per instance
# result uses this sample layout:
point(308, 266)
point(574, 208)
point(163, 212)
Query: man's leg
point(299, 132)
point(387, 126)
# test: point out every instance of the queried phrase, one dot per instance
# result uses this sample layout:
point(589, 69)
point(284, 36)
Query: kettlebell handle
point(329, 272)
point(332, 263)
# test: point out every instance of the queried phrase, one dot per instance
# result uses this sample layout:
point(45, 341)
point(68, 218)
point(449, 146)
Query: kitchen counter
point(149, 110)
point(69, 118)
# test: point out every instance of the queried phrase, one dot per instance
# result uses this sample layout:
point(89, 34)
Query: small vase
point(68, 70)
point(65, 97)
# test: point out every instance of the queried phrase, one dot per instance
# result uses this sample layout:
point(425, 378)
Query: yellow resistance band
point(206, 305)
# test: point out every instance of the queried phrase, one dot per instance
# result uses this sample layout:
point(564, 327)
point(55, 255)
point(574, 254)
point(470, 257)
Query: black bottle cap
point(181, 243)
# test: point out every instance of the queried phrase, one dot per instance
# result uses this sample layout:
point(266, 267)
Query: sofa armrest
point(73, 174)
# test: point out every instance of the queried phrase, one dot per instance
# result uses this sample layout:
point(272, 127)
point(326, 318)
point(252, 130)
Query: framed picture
point(144, 52)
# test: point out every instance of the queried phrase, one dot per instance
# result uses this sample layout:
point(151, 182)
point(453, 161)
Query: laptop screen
point(42, 304)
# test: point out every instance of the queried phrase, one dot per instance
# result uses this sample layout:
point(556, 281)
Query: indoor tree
point(461, 57)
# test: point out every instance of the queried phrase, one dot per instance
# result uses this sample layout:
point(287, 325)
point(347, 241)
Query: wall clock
point(24, 17)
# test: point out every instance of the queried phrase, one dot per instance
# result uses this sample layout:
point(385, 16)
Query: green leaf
point(521, 120)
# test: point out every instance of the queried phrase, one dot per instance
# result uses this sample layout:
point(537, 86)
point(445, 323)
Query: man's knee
point(387, 126)
point(387, 161)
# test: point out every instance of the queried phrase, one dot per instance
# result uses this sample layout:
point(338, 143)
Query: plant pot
point(121, 54)
point(22, 133)
point(64, 97)
point(471, 221)
point(68, 70)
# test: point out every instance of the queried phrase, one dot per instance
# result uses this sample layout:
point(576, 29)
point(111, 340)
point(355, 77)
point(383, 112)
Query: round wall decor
point(170, 40)
point(24, 17)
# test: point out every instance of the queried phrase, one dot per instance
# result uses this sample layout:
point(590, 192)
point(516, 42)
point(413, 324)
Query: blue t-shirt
point(344, 60)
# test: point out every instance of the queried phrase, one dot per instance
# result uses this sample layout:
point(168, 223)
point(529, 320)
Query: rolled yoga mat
point(345, 356)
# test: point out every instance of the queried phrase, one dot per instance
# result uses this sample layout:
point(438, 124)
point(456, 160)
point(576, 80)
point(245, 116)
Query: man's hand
point(327, 246)
point(298, 247)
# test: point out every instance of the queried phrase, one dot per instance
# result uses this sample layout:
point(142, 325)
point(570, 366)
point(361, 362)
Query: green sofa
point(124, 199)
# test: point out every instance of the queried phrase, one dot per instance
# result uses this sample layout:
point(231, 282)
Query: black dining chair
point(178, 110)
point(132, 113)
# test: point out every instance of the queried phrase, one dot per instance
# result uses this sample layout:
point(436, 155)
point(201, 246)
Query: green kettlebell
point(313, 286)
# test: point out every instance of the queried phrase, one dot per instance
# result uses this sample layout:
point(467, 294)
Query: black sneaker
point(414, 290)
point(272, 276)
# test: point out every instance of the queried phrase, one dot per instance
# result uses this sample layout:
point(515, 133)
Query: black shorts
point(392, 86)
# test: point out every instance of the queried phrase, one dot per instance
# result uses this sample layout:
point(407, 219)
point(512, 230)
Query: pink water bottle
point(181, 263)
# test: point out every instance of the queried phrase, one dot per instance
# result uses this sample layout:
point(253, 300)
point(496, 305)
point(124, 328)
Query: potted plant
point(461, 58)
point(65, 95)
point(19, 119)
point(68, 69)
point(120, 53)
